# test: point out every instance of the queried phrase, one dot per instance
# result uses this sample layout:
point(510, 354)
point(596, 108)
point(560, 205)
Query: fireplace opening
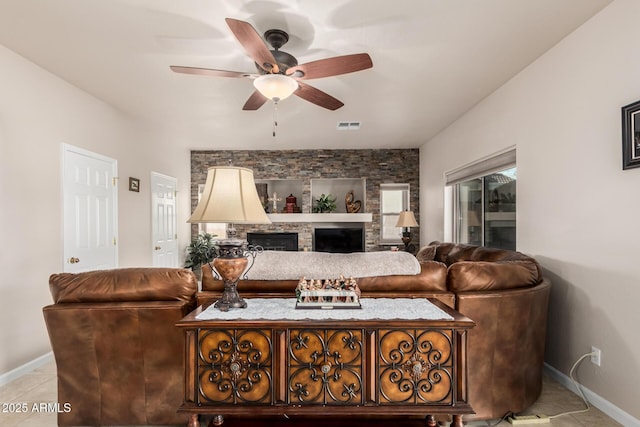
point(338, 240)
point(274, 241)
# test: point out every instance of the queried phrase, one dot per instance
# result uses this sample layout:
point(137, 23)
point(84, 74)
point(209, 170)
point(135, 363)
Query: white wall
point(38, 112)
point(578, 211)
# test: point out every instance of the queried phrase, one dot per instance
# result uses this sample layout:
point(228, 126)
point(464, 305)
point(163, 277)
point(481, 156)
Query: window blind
point(486, 166)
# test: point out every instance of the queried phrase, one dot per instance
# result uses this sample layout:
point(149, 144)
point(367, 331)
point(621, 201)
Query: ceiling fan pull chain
point(275, 117)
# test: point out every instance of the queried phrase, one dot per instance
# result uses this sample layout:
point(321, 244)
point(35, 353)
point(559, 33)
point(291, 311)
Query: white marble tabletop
point(372, 309)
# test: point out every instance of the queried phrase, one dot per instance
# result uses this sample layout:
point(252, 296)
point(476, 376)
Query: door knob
point(74, 260)
point(157, 248)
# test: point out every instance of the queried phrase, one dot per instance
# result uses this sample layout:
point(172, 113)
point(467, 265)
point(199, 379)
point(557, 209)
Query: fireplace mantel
point(321, 217)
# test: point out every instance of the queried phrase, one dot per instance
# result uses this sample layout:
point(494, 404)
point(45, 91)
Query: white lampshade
point(275, 86)
point(230, 196)
point(406, 219)
point(473, 220)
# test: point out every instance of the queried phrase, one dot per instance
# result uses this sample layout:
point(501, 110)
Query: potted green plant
point(201, 250)
point(324, 203)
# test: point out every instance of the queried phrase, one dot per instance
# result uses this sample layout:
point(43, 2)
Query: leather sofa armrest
point(118, 363)
point(485, 275)
point(124, 284)
point(506, 348)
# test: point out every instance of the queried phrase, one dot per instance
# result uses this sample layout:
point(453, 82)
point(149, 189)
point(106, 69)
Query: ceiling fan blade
point(255, 101)
point(318, 97)
point(331, 66)
point(253, 44)
point(210, 72)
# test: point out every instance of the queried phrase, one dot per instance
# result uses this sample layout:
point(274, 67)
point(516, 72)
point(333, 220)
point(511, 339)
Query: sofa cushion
point(459, 252)
point(449, 253)
point(426, 253)
point(125, 284)
point(464, 276)
point(442, 251)
point(481, 253)
point(478, 268)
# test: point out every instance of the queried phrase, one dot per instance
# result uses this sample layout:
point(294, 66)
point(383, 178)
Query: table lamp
point(406, 220)
point(230, 196)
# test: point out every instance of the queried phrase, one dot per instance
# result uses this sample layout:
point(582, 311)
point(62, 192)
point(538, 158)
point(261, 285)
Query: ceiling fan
point(279, 74)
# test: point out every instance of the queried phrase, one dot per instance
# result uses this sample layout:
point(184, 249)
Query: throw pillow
point(426, 253)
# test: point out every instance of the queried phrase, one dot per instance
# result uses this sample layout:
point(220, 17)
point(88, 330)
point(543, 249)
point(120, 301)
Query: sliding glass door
point(486, 210)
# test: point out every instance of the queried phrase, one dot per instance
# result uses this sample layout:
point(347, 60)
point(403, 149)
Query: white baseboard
point(26, 368)
point(624, 418)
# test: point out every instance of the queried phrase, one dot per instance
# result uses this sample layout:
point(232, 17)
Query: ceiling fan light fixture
point(275, 87)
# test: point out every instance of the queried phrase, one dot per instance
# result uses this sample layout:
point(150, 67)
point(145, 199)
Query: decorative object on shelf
point(292, 204)
point(324, 203)
point(200, 251)
point(230, 196)
point(275, 199)
point(134, 184)
point(631, 136)
point(328, 293)
point(353, 206)
point(263, 194)
point(406, 220)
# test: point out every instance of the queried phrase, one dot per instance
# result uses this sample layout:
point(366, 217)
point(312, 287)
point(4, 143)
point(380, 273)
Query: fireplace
point(338, 240)
point(274, 241)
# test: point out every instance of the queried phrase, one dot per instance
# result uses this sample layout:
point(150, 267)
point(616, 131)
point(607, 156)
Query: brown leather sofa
point(118, 353)
point(504, 292)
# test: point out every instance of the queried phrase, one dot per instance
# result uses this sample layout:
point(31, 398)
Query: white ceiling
point(432, 61)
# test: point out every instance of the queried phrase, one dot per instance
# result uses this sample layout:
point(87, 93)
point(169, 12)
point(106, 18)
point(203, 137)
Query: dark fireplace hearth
point(338, 240)
point(274, 241)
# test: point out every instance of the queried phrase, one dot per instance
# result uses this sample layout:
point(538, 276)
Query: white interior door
point(164, 221)
point(90, 210)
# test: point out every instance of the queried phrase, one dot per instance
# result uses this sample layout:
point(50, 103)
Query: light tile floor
point(39, 387)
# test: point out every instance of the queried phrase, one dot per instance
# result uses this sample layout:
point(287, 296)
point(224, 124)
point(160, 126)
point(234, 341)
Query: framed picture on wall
point(631, 136)
point(134, 184)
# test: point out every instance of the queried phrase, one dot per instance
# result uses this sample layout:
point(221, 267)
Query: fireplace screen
point(338, 240)
point(274, 241)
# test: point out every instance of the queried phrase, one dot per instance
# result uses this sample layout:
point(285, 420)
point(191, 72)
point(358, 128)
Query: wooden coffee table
point(391, 365)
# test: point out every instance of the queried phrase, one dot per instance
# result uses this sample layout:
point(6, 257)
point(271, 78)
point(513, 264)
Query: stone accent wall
point(383, 166)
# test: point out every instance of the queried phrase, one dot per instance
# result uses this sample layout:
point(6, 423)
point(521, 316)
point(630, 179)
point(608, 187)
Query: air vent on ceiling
point(348, 126)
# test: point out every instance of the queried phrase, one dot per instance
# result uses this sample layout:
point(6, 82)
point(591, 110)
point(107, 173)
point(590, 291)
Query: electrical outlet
point(595, 356)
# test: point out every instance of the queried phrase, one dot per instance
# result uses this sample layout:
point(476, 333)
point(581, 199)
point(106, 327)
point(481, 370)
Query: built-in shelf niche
point(282, 188)
point(338, 189)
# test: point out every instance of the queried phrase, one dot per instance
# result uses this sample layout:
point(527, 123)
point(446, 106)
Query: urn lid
point(291, 198)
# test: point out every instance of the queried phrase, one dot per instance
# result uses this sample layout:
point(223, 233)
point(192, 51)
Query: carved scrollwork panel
point(235, 366)
point(416, 366)
point(325, 366)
